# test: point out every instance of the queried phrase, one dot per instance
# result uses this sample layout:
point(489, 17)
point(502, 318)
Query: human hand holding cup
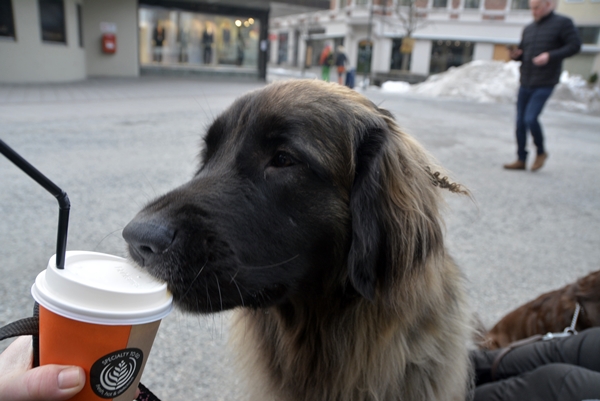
point(100, 313)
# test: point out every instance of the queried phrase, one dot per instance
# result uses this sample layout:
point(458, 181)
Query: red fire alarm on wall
point(109, 37)
point(109, 43)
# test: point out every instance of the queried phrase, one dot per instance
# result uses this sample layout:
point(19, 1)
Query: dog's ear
point(365, 205)
point(394, 205)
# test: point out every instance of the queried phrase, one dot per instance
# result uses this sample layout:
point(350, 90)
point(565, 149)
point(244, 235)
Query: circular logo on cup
point(113, 374)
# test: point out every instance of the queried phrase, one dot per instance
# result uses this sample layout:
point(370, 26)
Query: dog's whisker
point(208, 298)
point(151, 186)
point(211, 114)
point(220, 300)
point(194, 280)
point(234, 276)
point(238, 288)
point(219, 290)
point(273, 265)
point(106, 236)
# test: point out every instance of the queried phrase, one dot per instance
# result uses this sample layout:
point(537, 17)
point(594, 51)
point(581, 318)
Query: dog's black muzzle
point(148, 238)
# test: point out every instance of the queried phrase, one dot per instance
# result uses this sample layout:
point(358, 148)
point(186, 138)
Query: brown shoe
point(539, 161)
point(518, 165)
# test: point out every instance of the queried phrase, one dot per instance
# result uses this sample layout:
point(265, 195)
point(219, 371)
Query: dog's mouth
point(207, 277)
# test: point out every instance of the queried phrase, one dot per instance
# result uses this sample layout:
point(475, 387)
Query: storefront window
point(7, 24)
point(520, 5)
point(314, 48)
point(471, 3)
point(180, 37)
point(589, 34)
point(282, 53)
point(363, 65)
point(52, 20)
point(449, 53)
point(400, 59)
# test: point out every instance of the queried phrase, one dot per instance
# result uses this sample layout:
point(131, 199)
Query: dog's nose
point(147, 239)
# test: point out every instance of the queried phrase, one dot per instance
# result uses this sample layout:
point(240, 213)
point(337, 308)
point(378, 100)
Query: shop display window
point(399, 61)
point(449, 53)
point(520, 5)
point(7, 23)
point(176, 37)
point(589, 34)
point(472, 4)
point(52, 20)
point(282, 53)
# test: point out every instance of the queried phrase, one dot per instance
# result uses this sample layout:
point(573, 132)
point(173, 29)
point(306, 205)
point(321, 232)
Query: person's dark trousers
point(566, 369)
point(530, 103)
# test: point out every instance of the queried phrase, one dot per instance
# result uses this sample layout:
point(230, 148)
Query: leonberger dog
point(318, 220)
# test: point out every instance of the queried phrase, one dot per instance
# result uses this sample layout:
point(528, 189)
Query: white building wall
point(123, 13)
point(483, 51)
point(302, 51)
point(351, 45)
point(290, 50)
point(421, 57)
point(29, 59)
point(382, 55)
point(274, 48)
point(493, 32)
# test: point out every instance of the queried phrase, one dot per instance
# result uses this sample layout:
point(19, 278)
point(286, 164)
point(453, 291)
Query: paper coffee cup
point(100, 313)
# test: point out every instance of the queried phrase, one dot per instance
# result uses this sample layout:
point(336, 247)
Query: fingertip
point(53, 382)
point(71, 378)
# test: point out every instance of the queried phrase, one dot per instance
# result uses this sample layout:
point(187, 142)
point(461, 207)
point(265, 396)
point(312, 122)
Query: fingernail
point(69, 378)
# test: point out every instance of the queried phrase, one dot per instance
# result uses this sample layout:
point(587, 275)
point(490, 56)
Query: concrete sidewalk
point(114, 144)
point(146, 87)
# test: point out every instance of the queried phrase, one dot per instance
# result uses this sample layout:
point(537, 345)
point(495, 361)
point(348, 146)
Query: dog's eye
point(282, 159)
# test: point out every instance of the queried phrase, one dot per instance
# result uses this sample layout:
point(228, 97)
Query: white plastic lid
point(101, 289)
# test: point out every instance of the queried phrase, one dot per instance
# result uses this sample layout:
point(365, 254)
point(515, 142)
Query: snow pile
point(498, 82)
point(397, 86)
point(575, 94)
point(482, 81)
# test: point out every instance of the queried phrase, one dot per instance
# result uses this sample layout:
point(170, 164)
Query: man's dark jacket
point(554, 34)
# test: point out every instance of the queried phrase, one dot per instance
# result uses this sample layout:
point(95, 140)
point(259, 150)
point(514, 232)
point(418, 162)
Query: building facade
point(70, 40)
point(586, 15)
point(54, 41)
point(423, 36)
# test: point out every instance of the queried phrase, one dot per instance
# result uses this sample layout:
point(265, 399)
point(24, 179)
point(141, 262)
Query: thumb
point(47, 383)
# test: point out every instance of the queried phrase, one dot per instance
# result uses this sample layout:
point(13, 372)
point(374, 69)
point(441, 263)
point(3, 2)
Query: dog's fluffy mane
point(404, 335)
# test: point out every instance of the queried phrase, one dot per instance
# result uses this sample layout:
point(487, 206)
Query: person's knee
point(531, 120)
point(567, 382)
point(551, 373)
point(543, 383)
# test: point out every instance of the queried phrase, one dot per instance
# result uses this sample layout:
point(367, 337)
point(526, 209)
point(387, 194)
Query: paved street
point(114, 144)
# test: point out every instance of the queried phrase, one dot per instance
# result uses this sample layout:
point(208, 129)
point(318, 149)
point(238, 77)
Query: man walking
point(545, 42)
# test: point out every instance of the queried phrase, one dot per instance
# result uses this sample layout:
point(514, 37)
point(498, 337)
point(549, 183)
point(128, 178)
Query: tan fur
point(410, 342)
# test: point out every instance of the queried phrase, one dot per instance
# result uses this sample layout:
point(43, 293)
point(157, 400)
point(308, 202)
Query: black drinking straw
point(63, 200)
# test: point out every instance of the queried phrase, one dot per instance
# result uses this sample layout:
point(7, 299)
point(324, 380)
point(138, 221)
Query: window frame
point(523, 5)
point(472, 2)
point(596, 28)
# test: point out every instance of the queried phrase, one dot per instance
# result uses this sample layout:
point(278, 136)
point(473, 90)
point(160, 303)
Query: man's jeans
point(530, 103)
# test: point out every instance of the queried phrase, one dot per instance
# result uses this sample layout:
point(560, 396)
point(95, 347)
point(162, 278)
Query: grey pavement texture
point(114, 144)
